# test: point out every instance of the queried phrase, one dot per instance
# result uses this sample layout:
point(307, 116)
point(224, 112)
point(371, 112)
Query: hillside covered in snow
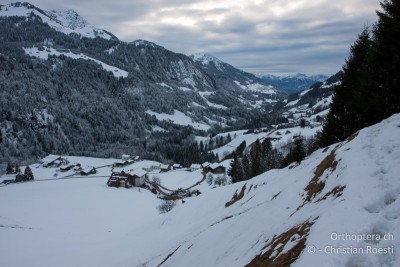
point(67, 21)
point(94, 95)
point(338, 207)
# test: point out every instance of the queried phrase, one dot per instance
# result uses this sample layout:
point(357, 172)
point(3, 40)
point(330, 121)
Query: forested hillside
point(67, 93)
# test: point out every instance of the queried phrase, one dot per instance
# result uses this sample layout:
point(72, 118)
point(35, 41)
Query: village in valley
point(118, 152)
point(173, 181)
point(163, 180)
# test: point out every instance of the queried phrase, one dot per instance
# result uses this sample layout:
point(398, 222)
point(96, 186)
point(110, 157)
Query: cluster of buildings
point(125, 176)
point(214, 168)
point(137, 177)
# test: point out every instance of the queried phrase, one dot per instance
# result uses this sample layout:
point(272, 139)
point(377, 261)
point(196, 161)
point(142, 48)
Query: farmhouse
point(125, 157)
point(67, 168)
point(118, 179)
point(88, 171)
point(138, 177)
point(215, 168)
point(165, 168)
point(152, 167)
point(122, 163)
point(205, 166)
point(195, 167)
point(127, 178)
point(78, 167)
point(176, 166)
point(53, 161)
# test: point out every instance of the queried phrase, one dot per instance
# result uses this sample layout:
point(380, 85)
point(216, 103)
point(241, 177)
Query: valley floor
point(317, 213)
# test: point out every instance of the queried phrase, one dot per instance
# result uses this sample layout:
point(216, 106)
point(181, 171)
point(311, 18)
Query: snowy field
point(352, 187)
point(68, 222)
point(179, 118)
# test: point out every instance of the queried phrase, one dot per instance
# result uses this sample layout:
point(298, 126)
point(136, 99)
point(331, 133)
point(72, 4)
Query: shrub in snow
point(156, 180)
point(220, 180)
point(166, 205)
point(210, 179)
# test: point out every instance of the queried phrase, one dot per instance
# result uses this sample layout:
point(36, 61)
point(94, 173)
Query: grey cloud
point(311, 39)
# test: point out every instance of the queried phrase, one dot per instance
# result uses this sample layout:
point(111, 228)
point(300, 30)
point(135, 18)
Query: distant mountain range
point(293, 83)
point(242, 79)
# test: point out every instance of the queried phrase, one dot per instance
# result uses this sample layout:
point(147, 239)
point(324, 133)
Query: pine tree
point(28, 174)
point(343, 114)
point(10, 169)
point(235, 171)
point(229, 138)
point(246, 167)
point(240, 149)
point(256, 159)
point(370, 89)
point(302, 123)
point(276, 159)
point(296, 153)
point(17, 169)
point(267, 155)
point(385, 62)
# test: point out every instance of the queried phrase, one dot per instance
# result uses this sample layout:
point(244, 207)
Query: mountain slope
point(244, 79)
point(114, 92)
point(225, 73)
point(350, 187)
point(275, 219)
point(67, 22)
point(310, 106)
point(293, 83)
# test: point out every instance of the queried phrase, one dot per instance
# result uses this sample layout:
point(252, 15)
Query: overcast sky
point(259, 36)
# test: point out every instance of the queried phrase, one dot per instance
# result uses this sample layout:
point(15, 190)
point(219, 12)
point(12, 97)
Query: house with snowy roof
point(127, 178)
point(176, 166)
point(205, 164)
point(165, 167)
point(138, 177)
point(53, 161)
point(125, 157)
point(215, 168)
point(195, 167)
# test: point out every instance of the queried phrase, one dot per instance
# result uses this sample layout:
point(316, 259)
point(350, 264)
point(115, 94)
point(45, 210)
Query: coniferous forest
point(74, 106)
point(370, 85)
point(68, 106)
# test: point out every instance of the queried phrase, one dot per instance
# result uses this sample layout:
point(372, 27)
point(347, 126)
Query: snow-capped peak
point(67, 21)
point(205, 59)
point(71, 19)
point(144, 43)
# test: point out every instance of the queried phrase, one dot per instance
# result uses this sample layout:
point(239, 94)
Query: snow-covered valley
point(296, 216)
point(120, 153)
